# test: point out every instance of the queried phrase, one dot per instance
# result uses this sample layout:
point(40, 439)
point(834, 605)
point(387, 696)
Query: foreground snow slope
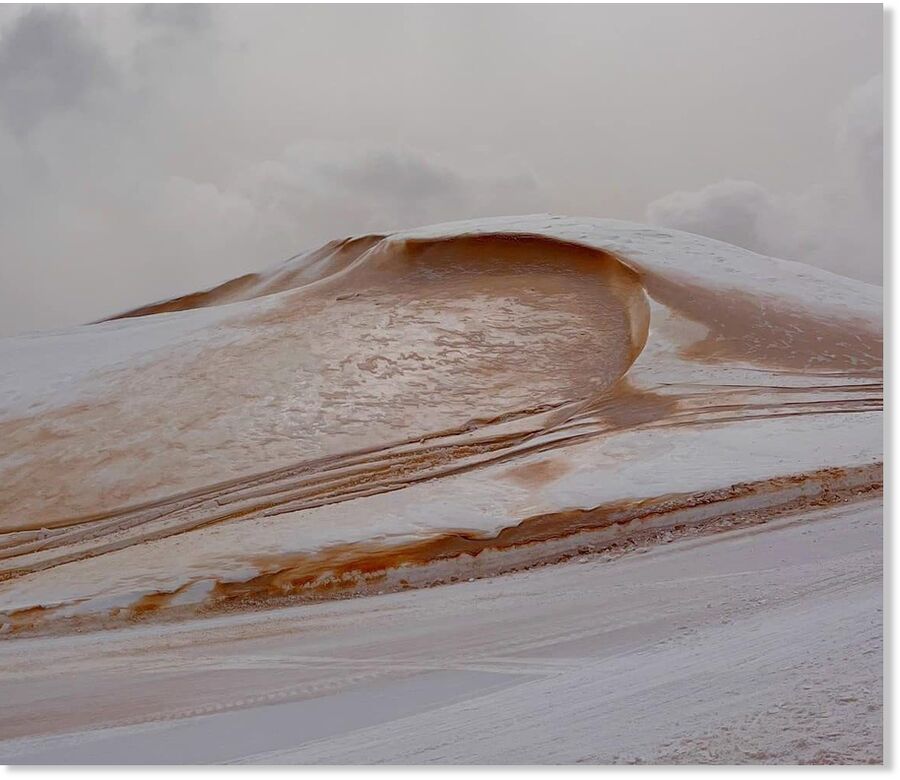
point(393, 411)
point(759, 645)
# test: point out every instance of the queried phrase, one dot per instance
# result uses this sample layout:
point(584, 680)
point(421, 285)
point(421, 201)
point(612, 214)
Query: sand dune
point(390, 412)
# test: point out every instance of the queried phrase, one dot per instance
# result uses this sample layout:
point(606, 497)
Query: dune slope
point(421, 407)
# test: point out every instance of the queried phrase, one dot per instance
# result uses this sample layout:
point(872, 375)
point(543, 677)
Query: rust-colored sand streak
point(363, 568)
point(331, 258)
point(288, 574)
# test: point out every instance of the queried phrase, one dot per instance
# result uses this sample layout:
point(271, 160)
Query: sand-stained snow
point(392, 411)
point(761, 645)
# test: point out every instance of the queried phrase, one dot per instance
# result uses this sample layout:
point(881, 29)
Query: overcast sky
point(147, 151)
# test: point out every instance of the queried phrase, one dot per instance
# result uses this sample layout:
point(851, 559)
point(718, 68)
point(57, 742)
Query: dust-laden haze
point(147, 151)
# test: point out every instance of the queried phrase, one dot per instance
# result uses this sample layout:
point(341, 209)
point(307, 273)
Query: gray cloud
point(192, 18)
point(128, 199)
point(408, 177)
point(48, 64)
point(152, 150)
point(835, 223)
point(739, 212)
point(861, 142)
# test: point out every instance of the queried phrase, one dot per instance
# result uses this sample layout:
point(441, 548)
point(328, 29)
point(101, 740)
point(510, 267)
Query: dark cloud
point(320, 189)
point(186, 17)
point(398, 174)
point(48, 64)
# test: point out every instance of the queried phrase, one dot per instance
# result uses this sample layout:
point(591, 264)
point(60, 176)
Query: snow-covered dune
point(446, 403)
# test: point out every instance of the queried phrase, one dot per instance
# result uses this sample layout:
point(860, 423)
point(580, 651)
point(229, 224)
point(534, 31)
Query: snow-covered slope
point(761, 645)
point(438, 404)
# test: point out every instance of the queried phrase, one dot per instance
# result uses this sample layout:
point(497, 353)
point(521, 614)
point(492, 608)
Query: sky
point(152, 150)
